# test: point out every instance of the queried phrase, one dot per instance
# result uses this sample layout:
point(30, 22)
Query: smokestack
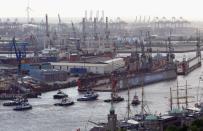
point(47, 26)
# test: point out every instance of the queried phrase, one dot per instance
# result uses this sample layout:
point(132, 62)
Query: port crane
point(20, 52)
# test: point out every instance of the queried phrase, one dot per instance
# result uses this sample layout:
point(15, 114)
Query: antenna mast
point(128, 106)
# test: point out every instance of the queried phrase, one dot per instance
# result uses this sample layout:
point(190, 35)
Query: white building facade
point(97, 68)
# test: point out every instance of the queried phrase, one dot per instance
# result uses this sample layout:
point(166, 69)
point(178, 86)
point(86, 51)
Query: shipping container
point(78, 70)
point(48, 59)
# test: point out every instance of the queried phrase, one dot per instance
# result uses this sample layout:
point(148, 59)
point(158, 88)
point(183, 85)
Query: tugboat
point(135, 100)
point(65, 102)
point(89, 96)
point(15, 102)
point(115, 98)
point(23, 106)
point(60, 95)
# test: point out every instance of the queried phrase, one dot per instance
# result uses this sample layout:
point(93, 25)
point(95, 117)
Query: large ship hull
point(134, 80)
point(147, 78)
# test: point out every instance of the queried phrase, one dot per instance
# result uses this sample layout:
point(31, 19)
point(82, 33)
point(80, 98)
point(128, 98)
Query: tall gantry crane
point(20, 52)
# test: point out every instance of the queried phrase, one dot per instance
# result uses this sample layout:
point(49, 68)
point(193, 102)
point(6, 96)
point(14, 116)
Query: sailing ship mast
point(199, 95)
point(177, 91)
point(128, 107)
point(171, 99)
point(186, 95)
point(183, 97)
point(142, 101)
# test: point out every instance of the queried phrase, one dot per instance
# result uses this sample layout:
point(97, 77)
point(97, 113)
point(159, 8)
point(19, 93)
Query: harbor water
point(45, 116)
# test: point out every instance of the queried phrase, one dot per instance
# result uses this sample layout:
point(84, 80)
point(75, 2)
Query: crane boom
point(19, 52)
point(18, 55)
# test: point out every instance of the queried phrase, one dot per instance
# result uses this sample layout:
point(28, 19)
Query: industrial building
point(83, 67)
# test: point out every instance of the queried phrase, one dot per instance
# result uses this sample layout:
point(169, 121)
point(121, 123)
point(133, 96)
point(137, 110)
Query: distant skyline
point(126, 9)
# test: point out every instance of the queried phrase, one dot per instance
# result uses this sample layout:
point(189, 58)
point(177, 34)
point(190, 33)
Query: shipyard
point(101, 65)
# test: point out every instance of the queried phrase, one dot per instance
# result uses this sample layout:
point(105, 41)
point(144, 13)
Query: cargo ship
point(139, 69)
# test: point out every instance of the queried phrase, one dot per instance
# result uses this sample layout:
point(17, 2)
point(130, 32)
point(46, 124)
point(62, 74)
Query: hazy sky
point(190, 9)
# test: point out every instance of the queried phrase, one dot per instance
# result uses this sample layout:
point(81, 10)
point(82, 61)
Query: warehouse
point(97, 68)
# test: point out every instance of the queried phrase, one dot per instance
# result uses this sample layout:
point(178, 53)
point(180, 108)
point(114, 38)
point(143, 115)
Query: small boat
point(89, 96)
point(135, 100)
point(15, 102)
point(23, 106)
point(115, 98)
point(65, 102)
point(60, 95)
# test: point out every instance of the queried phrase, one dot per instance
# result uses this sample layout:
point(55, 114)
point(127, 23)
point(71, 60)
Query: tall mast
point(171, 99)
point(142, 106)
point(186, 95)
point(178, 103)
point(198, 91)
point(128, 107)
